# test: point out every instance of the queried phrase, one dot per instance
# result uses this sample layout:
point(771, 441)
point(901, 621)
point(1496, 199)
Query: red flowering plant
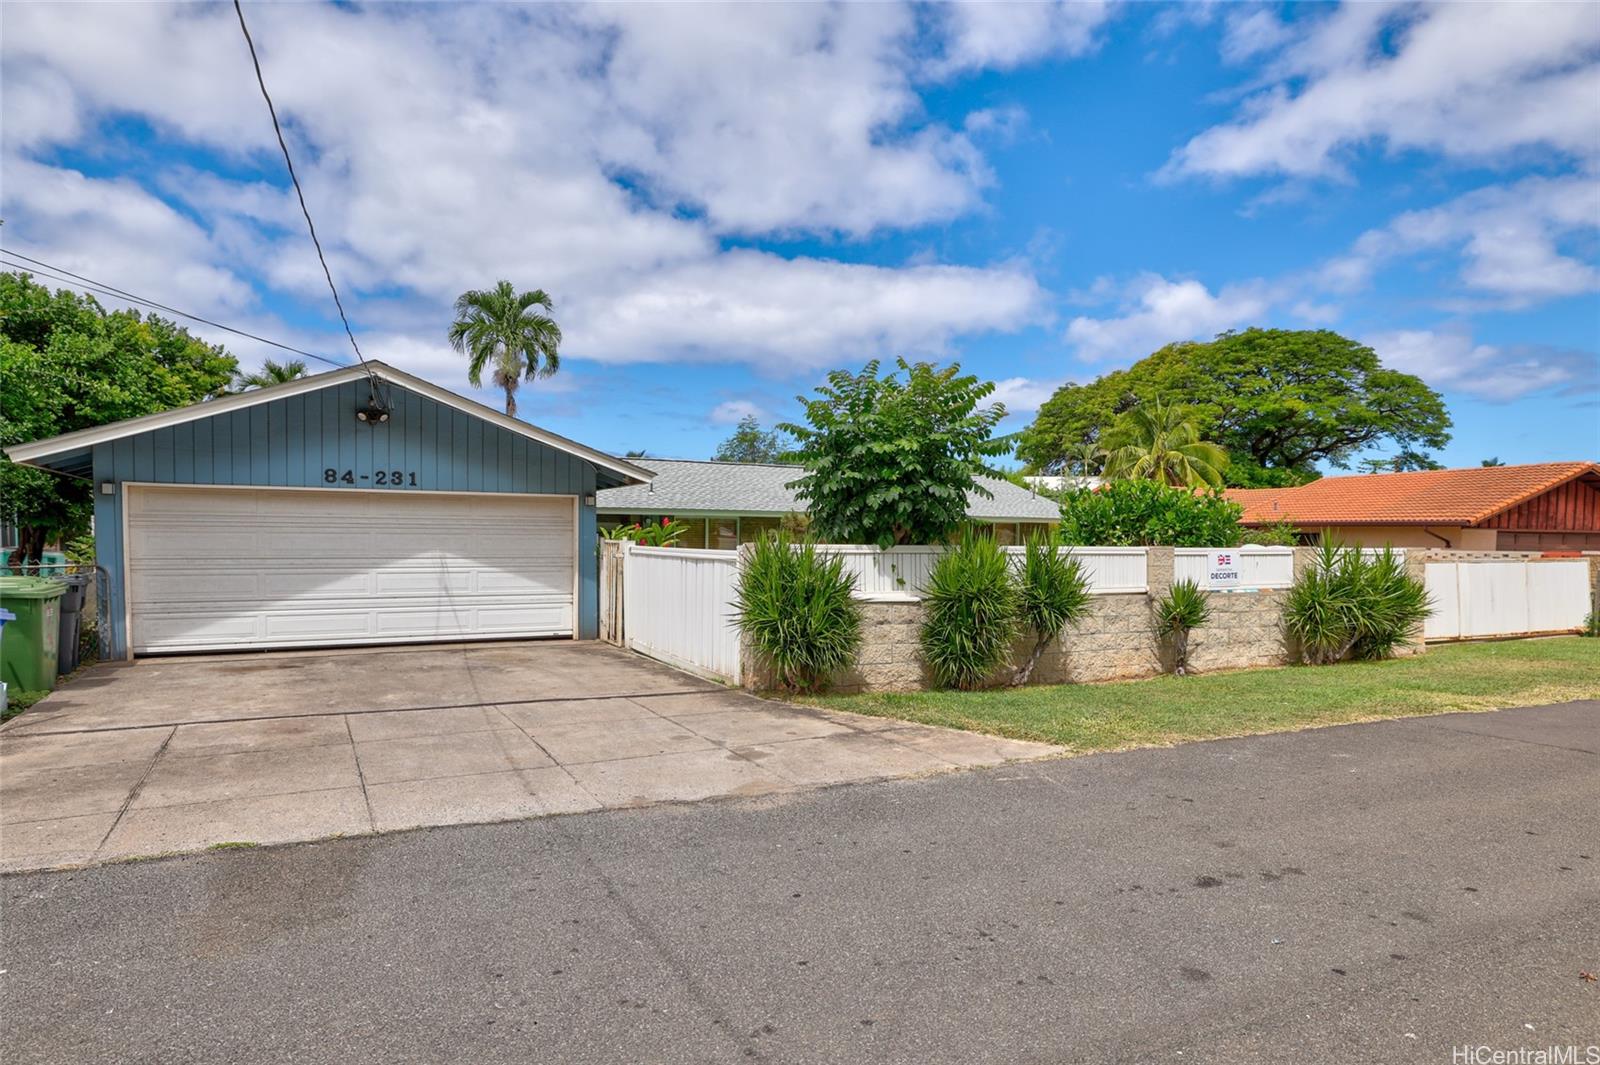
point(663, 533)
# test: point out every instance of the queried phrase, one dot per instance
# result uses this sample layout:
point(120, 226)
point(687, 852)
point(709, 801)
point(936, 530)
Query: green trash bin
point(28, 645)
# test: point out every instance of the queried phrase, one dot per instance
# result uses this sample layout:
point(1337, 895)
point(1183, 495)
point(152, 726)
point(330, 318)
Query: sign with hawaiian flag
point(1222, 570)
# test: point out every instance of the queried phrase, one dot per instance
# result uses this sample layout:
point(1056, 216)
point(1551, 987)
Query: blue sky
point(726, 203)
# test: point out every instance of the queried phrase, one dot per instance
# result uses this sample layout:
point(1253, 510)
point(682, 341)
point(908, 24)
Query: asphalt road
point(1371, 893)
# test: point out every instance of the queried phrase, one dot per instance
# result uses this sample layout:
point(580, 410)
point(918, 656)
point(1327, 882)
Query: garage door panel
point(262, 568)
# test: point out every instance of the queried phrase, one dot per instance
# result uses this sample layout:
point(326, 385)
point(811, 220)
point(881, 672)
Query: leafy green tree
point(68, 364)
point(1157, 442)
point(504, 331)
point(1492, 461)
point(891, 460)
point(271, 373)
point(1278, 401)
point(750, 443)
point(1147, 514)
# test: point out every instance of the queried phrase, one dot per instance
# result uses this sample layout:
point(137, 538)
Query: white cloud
point(1250, 32)
point(733, 411)
point(776, 313)
point(1003, 35)
point(1023, 395)
point(1450, 359)
point(1469, 81)
point(1157, 312)
point(1510, 239)
point(603, 153)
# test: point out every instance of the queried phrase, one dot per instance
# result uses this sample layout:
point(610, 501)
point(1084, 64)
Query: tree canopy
point(750, 443)
point(68, 364)
point(890, 460)
point(1278, 401)
point(504, 331)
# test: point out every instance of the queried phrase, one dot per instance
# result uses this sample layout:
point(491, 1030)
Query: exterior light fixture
point(372, 414)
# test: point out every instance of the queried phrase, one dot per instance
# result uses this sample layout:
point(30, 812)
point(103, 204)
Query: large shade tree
point(68, 364)
point(1158, 441)
point(1278, 401)
point(508, 333)
point(891, 459)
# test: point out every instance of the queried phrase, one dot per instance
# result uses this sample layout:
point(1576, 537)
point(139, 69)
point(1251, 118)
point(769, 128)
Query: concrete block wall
point(1117, 641)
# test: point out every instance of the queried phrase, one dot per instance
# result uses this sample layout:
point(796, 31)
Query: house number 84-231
point(388, 478)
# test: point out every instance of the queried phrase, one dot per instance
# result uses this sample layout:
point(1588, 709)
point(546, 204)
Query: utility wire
point(56, 273)
point(293, 177)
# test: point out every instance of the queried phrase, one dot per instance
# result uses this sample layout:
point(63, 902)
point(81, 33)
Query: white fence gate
point(1509, 597)
point(677, 607)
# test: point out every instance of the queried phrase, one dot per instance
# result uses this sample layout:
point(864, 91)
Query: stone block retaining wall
point(1117, 641)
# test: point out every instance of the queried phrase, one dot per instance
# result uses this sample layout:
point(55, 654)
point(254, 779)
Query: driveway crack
point(134, 793)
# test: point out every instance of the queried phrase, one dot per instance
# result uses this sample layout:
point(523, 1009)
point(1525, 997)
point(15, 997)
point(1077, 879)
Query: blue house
point(358, 506)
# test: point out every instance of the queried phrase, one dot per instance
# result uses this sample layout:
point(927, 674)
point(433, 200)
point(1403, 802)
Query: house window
point(722, 534)
point(752, 529)
point(694, 532)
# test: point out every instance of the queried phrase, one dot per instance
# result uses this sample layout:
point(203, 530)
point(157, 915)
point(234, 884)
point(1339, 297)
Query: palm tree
point(502, 328)
point(1162, 443)
point(1086, 458)
point(271, 373)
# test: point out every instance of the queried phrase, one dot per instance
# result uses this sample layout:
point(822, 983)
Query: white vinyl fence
point(677, 606)
point(1505, 597)
point(889, 571)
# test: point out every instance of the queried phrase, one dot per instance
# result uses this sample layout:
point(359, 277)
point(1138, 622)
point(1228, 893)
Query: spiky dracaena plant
point(796, 608)
point(971, 619)
point(1182, 610)
point(1052, 593)
point(1350, 604)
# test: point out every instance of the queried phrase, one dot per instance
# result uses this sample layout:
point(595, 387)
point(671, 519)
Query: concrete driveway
point(180, 754)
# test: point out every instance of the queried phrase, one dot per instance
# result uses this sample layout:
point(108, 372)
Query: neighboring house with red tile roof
point(1538, 507)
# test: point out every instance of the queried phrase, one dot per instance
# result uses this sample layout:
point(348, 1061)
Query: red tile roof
point(1425, 497)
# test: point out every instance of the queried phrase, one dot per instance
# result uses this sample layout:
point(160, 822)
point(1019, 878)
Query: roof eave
point(36, 452)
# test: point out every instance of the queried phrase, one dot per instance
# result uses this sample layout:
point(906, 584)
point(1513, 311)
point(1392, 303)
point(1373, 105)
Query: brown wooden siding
point(1574, 506)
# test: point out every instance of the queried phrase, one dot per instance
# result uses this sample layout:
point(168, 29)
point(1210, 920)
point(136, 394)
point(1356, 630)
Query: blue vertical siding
point(291, 442)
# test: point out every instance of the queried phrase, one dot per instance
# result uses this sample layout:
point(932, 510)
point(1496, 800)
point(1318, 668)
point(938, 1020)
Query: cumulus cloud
point(1003, 35)
point(1449, 358)
point(1469, 81)
point(611, 165)
point(1510, 239)
point(1156, 311)
point(1023, 395)
point(734, 411)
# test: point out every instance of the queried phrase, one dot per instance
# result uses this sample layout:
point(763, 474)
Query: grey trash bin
point(72, 601)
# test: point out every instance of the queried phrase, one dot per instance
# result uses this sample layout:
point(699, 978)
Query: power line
point(56, 272)
point(300, 194)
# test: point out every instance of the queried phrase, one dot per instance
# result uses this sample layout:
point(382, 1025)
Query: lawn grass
point(1166, 710)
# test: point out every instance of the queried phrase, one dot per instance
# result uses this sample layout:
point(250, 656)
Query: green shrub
point(797, 610)
point(1591, 624)
point(1052, 593)
point(1349, 604)
point(971, 604)
point(1180, 611)
point(1140, 513)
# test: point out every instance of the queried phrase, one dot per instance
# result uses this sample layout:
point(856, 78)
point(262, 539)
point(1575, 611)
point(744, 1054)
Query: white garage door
point(212, 568)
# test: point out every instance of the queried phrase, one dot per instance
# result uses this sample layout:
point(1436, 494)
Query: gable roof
point(1423, 497)
point(686, 486)
point(69, 453)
